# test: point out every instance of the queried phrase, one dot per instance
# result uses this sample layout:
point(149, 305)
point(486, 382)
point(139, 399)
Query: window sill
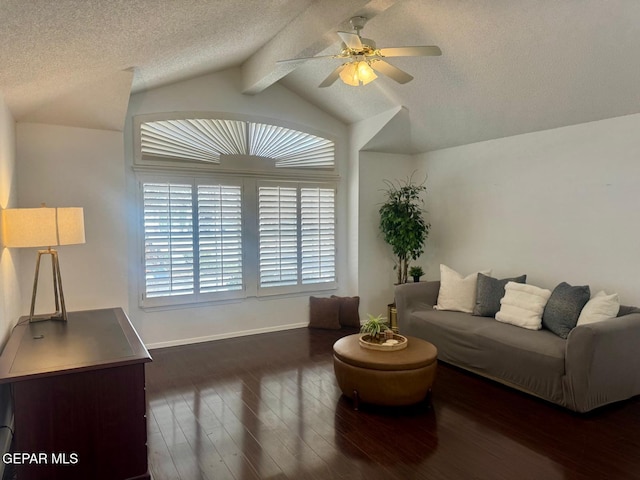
point(281, 295)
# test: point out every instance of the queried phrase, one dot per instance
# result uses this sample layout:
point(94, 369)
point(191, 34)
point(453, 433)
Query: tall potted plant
point(402, 223)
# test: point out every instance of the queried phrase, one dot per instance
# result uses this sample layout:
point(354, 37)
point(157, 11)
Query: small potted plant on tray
point(376, 328)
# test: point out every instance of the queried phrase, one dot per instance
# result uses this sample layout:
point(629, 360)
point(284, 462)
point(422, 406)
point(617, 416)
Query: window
point(192, 241)
point(297, 236)
point(168, 239)
point(197, 239)
point(204, 140)
point(318, 235)
point(278, 216)
point(233, 208)
point(220, 238)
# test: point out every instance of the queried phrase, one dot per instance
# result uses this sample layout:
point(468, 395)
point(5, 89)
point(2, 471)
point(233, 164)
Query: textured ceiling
point(508, 66)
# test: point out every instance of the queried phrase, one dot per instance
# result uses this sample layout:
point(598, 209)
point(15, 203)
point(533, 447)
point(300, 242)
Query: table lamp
point(44, 227)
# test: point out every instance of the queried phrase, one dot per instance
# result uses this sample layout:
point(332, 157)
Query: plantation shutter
point(278, 235)
point(197, 231)
point(168, 239)
point(317, 232)
point(220, 238)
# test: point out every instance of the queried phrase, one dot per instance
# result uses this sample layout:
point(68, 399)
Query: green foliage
point(374, 325)
point(402, 224)
point(416, 271)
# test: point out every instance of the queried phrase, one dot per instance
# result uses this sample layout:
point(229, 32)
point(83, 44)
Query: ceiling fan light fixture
point(361, 57)
point(357, 74)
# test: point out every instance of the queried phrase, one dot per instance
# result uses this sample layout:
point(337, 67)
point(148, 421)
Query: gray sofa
point(597, 364)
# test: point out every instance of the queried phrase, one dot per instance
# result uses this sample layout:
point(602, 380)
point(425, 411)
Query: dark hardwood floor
point(267, 406)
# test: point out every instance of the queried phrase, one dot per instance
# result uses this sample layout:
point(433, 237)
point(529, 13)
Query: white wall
point(221, 93)
point(360, 134)
point(9, 262)
point(558, 205)
point(376, 276)
point(68, 166)
point(9, 258)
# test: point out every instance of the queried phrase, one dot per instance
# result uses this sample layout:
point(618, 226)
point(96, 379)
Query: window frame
point(145, 161)
point(300, 287)
point(195, 297)
point(250, 240)
point(249, 169)
point(172, 297)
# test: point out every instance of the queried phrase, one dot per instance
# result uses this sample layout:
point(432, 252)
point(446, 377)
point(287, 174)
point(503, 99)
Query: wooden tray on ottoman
point(366, 342)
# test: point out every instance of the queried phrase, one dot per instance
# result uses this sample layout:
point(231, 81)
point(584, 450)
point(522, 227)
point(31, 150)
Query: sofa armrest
point(410, 297)
point(601, 362)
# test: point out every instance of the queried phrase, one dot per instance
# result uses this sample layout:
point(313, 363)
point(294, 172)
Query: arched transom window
point(205, 140)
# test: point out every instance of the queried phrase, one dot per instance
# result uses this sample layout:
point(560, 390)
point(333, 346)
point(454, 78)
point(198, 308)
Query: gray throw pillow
point(489, 291)
point(563, 308)
point(627, 310)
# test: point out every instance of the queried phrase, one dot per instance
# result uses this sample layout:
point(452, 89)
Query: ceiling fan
point(363, 57)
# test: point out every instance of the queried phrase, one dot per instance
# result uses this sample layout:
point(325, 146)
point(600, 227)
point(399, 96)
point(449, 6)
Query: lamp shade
point(70, 225)
point(43, 227)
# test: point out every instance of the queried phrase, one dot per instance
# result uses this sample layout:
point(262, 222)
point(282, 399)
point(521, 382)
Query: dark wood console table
point(79, 397)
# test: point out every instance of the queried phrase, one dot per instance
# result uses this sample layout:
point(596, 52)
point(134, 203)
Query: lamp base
point(46, 317)
point(61, 311)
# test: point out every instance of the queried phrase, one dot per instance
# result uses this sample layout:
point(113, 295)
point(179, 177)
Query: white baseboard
point(222, 336)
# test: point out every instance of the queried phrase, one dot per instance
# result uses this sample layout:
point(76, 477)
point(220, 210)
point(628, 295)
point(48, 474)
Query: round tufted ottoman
point(400, 377)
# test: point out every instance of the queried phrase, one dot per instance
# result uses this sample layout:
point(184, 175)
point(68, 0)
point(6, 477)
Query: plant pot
point(416, 279)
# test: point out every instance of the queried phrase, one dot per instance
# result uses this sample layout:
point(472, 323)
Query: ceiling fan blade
point(390, 71)
point(304, 59)
point(423, 51)
point(333, 76)
point(351, 40)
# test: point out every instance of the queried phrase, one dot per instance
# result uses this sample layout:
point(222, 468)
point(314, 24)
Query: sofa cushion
point(531, 360)
point(489, 292)
point(454, 331)
point(457, 293)
point(348, 312)
point(523, 305)
point(324, 313)
point(600, 307)
point(541, 342)
point(563, 308)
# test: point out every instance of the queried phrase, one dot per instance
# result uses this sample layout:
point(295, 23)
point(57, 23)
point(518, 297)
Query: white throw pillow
point(457, 292)
point(523, 305)
point(600, 307)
